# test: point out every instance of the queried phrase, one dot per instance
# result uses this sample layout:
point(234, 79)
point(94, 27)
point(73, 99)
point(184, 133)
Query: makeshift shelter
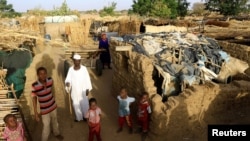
point(137, 71)
point(75, 32)
point(15, 55)
point(183, 59)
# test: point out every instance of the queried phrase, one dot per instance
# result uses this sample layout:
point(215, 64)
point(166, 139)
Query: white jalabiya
point(79, 81)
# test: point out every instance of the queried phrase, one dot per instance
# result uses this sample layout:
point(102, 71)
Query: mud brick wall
point(241, 52)
point(185, 117)
point(131, 70)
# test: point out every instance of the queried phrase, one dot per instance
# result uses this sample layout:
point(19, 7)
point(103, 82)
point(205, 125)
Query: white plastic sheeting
point(61, 19)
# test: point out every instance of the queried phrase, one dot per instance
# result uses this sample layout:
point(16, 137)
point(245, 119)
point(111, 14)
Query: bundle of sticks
point(9, 106)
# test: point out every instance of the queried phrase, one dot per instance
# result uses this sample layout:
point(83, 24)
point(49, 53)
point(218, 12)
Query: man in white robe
point(78, 80)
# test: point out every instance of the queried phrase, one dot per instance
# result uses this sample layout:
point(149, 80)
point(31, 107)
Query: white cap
point(77, 57)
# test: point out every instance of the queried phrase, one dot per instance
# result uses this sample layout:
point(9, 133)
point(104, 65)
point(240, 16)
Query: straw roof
point(12, 38)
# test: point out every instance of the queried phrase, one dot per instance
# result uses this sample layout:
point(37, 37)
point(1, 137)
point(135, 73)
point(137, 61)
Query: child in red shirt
point(144, 112)
point(93, 117)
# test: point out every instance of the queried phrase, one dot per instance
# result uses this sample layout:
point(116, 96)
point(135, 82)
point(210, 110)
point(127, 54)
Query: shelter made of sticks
point(30, 23)
point(13, 38)
point(76, 33)
point(129, 27)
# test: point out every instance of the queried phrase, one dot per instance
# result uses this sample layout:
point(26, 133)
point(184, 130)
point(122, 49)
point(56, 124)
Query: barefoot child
point(124, 110)
point(144, 112)
point(93, 117)
point(14, 130)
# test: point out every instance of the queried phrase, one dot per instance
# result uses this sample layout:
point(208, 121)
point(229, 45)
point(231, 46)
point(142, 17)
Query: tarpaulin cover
point(186, 57)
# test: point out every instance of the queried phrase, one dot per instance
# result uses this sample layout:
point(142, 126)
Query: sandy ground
point(78, 131)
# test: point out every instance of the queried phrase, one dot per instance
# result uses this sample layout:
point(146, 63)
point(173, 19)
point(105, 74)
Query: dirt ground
point(78, 131)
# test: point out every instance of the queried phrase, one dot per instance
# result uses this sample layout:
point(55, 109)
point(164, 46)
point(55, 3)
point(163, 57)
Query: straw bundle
point(129, 27)
point(30, 23)
point(13, 38)
point(79, 32)
point(113, 26)
point(76, 36)
point(3, 84)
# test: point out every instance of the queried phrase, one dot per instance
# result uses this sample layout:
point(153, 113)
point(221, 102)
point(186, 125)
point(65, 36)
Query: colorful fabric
point(44, 94)
point(93, 115)
point(143, 115)
point(124, 104)
point(95, 130)
point(14, 135)
point(124, 119)
point(144, 123)
point(104, 55)
point(144, 110)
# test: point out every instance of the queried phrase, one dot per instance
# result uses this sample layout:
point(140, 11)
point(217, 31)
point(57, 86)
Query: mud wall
point(133, 71)
point(241, 52)
point(186, 116)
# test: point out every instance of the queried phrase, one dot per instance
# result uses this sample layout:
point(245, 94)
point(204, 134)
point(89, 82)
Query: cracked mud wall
point(241, 52)
point(186, 116)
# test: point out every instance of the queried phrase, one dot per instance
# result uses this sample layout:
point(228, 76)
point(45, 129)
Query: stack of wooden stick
point(9, 105)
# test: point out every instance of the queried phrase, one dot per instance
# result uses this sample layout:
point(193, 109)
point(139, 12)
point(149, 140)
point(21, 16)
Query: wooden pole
point(70, 110)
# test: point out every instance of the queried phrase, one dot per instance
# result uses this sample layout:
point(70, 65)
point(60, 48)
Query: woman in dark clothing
point(104, 55)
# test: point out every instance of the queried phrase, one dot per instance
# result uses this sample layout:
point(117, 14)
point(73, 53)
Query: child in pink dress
point(14, 130)
point(93, 117)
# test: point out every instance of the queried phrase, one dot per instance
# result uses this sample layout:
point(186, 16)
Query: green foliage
point(91, 11)
point(156, 8)
point(6, 10)
point(63, 10)
point(227, 7)
point(173, 5)
point(182, 7)
point(108, 10)
point(198, 8)
point(142, 7)
point(38, 11)
point(159, 9)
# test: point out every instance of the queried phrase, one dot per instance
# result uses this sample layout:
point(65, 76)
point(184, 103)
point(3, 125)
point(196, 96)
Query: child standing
point(124, 110)
point(144, 112)
point(93, 117)
point(14, 130)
